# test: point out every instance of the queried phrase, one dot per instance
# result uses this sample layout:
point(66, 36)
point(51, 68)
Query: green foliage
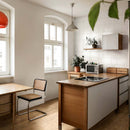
point(113, 10)
point(77, 61)
point(127, 14)
point(83, 64)
point(112, 13)
point(93, 14)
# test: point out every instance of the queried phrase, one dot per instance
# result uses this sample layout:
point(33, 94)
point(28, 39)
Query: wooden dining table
point(8, 99)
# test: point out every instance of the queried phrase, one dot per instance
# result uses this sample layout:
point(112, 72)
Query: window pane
point(52, 32)
point(3, 56)
point(3, 30)
point(59, 34)
point(46, 31)
point(58, 56)
point(48, 56)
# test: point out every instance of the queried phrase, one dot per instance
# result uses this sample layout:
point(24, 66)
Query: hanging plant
point(112, 12)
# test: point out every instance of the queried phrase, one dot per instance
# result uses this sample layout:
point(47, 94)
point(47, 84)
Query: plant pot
point(76, 69)
point(94, 46)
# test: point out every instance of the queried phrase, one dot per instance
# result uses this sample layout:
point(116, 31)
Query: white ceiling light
point(72, 27)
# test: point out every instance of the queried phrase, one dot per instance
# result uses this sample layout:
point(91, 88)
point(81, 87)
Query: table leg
point(60, 109)
point(13, 109)
point(60, 127)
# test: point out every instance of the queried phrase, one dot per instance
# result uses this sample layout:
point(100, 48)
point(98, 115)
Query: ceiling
point(81, 7)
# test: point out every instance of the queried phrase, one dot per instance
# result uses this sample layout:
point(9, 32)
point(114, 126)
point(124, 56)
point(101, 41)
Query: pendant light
point(3, 20)
point(72, 27)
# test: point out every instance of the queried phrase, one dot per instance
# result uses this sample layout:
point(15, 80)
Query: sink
point(91, 79)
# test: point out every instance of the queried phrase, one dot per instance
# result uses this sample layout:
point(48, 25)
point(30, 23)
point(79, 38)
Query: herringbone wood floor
point(116, 121)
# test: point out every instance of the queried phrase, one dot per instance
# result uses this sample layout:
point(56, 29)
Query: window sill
point(6, 76)
point(55, 71)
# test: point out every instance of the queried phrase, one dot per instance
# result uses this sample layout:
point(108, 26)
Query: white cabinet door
point(123, 79)
point(123, 90)
point(102, 100)
point(123, 98)
point(123, 87)
point(111, 42)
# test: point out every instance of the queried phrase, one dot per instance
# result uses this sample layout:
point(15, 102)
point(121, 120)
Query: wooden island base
point(73, 106)
point(84, 107)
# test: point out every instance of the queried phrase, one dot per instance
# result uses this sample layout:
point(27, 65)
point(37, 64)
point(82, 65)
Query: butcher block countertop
point(81, 83)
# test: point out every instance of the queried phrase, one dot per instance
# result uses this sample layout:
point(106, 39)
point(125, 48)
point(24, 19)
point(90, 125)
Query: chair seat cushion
point(30, 97)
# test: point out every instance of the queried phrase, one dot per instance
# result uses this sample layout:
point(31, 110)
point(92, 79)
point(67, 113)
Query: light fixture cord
point(72, 11)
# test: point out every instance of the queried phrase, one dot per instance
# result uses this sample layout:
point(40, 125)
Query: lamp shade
point(71, 27)
point(3, 20)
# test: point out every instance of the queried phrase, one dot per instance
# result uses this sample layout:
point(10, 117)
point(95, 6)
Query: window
point(54, 46)
point(4, 48)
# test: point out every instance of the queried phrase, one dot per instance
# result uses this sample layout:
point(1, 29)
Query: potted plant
point(92, 42)
point(76, 62)
point(95, 43)
point(83, 66)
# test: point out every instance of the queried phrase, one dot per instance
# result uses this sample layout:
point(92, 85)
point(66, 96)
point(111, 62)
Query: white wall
point(29, 43)
point(52, 89)
point(104, 25)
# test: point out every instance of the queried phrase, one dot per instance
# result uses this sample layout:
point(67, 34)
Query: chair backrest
point(40, 84)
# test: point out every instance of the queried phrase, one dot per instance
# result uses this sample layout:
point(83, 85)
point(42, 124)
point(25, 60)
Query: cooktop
point(91, 79)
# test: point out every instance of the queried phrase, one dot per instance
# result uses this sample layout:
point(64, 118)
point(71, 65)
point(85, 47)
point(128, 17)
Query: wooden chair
point(39, 85)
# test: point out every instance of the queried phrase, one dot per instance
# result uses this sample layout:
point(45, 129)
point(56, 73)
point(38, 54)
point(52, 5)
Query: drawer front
point(123, 79)
point(75, 76)
point(5, 99)
point(123, 98)
point(5, 108)
point(123, 87)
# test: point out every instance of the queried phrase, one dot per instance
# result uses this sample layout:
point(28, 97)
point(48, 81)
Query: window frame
point(54, 43)
point(6, 37)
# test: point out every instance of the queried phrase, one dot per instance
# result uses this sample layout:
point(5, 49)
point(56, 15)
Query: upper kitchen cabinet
point(112, 42)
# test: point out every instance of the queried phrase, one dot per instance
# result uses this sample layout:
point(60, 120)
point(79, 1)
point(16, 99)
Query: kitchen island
point(83, 104)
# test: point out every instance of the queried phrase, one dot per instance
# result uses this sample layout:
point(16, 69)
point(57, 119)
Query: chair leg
point(43, 114)
point(17, 106)
point(28, 112)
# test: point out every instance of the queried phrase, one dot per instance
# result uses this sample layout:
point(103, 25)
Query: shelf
point(92, 48)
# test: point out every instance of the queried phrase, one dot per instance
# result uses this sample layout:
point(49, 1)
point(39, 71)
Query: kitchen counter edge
point(87, 84)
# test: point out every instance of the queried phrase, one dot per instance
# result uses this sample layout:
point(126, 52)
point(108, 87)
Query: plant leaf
point(127, 14)
point(113, 10)
point(93, 14)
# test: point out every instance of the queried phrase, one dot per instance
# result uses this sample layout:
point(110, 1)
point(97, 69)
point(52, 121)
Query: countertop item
point(91, 79)
point(115, 70)
point(80, 83)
